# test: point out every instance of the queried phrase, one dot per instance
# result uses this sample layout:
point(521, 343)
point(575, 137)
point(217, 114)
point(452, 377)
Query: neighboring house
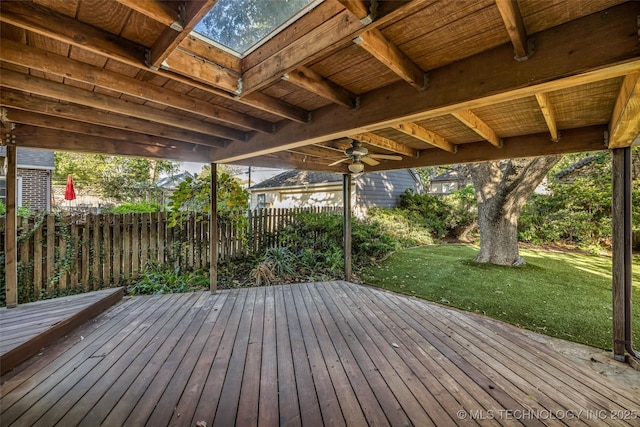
point(34, 171)
point(293, 189)
point(448, 182)
point(169, 184)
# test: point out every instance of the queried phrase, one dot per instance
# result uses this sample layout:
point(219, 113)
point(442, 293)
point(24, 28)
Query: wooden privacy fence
point(58, 254)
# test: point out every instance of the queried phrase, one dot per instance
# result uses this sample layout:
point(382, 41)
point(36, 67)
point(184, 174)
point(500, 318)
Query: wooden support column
point(213, 230)
point(346, 231)
point(621, 271)
point(11, 232)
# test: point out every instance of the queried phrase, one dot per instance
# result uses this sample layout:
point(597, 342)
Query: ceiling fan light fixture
point(356, 167)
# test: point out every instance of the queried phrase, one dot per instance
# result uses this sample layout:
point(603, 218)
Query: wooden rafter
point(475, 123)
point(23, 101)
point(166, 44)
point(624, 125)
point(161, 11)
point(212, 53)
point(360, 9)
point(308, 79)
point(48, 62)
point(50, 89)
point(495, 78)
point(277, 57)
point(386, 143)
point(590, 138)
point(51, 139)
point(548, 111)
point(316, 151)
point(200, 69)
point(383, 50)
point(32, 17)
point(427, 136)
point(512, 18)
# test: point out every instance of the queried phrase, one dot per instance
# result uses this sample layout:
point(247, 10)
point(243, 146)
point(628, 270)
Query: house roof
point(433, 82)
point(450, 175)
point(575, 166)
point(172, 181)
point(294, 178)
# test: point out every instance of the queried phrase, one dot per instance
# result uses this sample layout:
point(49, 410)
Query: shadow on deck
point(26, 329)
point(329, 353)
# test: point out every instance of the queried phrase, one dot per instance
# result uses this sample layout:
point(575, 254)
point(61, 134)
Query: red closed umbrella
point(69, 192)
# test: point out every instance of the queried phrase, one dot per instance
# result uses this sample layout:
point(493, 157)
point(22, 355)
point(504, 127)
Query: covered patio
point(330, 353)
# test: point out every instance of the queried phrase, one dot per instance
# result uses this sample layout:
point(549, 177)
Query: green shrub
point(3, 209)
point(139, 207)
point(162, 279)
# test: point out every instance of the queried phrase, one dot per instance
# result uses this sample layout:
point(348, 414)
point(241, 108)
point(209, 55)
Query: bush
point(162, 279)
point(140, 207)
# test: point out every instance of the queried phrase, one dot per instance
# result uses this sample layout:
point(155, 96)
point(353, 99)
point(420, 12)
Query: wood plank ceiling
point(434, 82)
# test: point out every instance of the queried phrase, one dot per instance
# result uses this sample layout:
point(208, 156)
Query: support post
point(621, 270)
point(213, 231)
point(346, 230)
point(11, 232)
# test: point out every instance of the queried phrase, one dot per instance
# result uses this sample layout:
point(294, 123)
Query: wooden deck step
point(26, 329)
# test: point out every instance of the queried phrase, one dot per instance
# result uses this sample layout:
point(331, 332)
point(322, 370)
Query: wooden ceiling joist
point(548, 111)
point(38, 59)
point(192, 13)
point(385, 143)
point(475, 123)
point(51, 89)
point(200, 69)
point(22, 101)
point(308, 79)
point(624, 126)
point(512, 18)
point(32, 17)
point(56, 140)
point(589, 138)
point(383, 50)
point(161, 11)
point(487, 78)
point(427, 136)
point(360, 9)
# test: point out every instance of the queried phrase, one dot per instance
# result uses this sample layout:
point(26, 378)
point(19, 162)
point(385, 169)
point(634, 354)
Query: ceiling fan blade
point(339, 161)
point(385, 156)
point(369, 161)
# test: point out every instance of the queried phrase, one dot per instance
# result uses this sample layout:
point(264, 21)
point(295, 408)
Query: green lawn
point(565, 295)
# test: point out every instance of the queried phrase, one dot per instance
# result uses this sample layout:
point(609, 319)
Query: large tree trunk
point(502, 189)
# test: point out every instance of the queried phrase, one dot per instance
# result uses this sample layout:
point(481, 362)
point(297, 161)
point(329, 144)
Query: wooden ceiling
point(436, 82)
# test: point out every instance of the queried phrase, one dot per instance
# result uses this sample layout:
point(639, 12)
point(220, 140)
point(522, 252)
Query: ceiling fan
point(358, 155)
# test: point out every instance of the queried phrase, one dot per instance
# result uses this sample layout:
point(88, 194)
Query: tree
point(502, 188)
point(117, 177)
point(193, 195)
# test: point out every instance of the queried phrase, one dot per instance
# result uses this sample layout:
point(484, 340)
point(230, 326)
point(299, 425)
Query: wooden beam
point(512, 18)
point(383, 50)
point(11, 230)
point(166, 44)
point(51, 89)
point(57, 110)
point(476, 124)
point(427, 136)
point(35, 18)
point(213, 231)
point(38, 59)
point(289, 50)
point(624, 125)
point(212, 53)
point(308, 79)
point(162, 11)
point(608, 48)
point(200, 69)
point(589, 138)
point(386, 143)
point(91, 130)
point(360, 9)
point(288, 160)
point(50, 139)
point(549, 114)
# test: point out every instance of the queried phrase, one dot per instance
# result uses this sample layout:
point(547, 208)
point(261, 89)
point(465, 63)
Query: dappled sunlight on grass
point(563, 294)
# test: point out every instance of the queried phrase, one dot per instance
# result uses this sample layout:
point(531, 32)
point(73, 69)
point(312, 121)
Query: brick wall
point(36, 188)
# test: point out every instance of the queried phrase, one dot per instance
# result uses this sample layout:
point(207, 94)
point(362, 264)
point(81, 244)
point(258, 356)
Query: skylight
point(242, 25)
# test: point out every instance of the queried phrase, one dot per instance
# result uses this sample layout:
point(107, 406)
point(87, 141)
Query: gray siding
point(32, 159)
point(383, 189)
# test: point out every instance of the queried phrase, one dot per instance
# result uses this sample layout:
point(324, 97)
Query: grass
point(565, 295)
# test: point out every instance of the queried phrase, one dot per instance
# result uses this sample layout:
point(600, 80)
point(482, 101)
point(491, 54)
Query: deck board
point(330, 353)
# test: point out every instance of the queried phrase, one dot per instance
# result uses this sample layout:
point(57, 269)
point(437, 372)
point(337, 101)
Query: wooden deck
point(313, 354)
point(26, 329)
